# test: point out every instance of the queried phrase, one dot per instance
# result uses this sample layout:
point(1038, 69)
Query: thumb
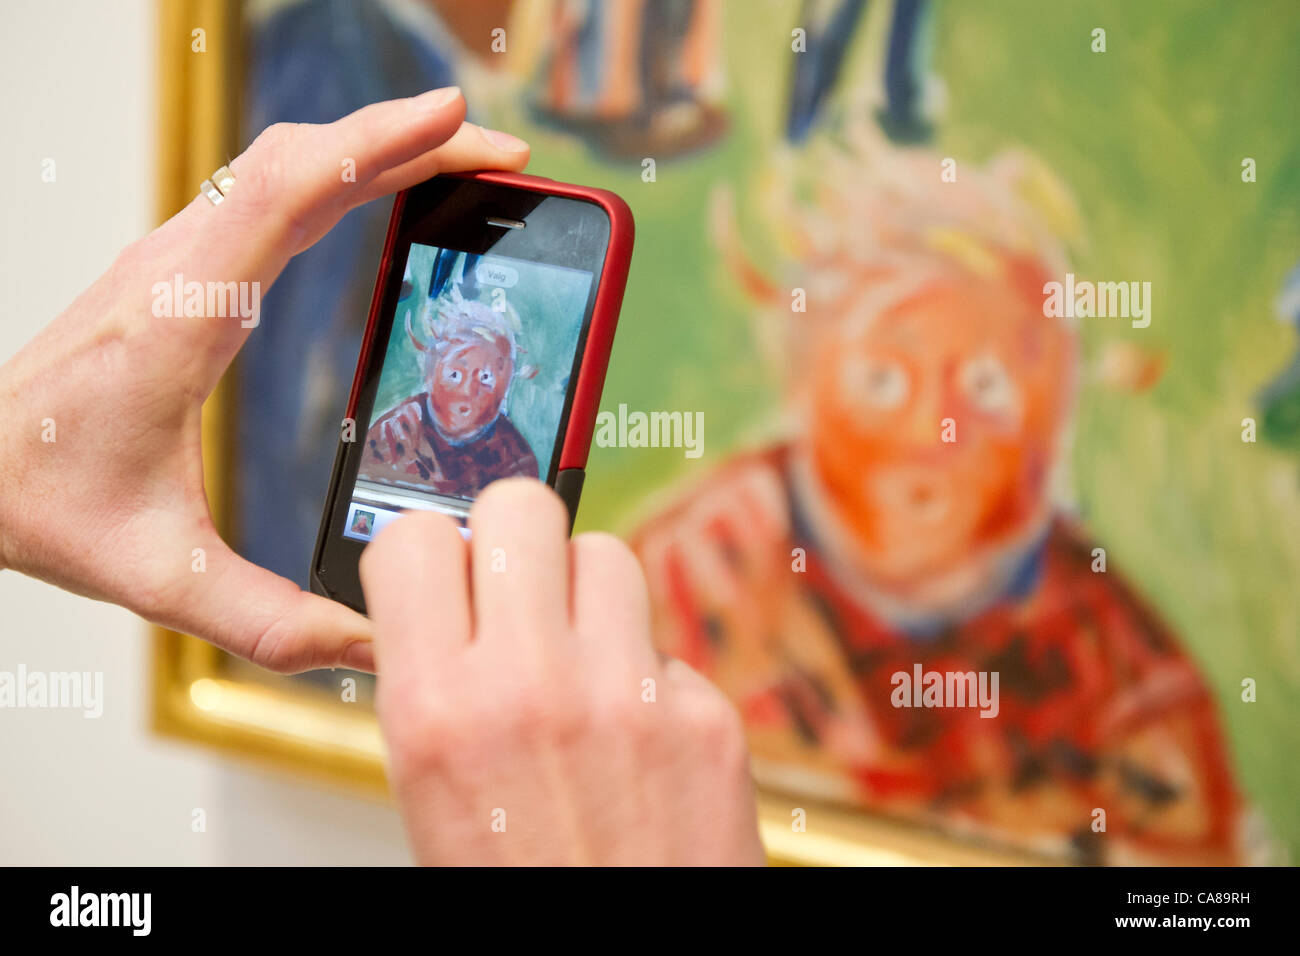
point(292, 185)
point(265, 618)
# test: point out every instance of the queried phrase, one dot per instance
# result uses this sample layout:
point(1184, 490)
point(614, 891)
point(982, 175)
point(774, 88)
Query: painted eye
point(879, 383)
point(486, 377)
point(986, 383)
point(453, 376)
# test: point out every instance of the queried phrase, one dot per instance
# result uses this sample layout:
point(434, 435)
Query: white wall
point(77, 86)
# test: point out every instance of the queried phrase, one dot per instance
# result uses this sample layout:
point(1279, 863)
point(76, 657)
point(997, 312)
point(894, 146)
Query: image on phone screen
point(473, 383)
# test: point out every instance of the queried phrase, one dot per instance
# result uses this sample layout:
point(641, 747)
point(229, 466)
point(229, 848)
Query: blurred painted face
point(467, 384)
point(967, 360)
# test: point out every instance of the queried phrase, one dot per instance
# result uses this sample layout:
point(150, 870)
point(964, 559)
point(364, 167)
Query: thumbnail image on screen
point(473, 383)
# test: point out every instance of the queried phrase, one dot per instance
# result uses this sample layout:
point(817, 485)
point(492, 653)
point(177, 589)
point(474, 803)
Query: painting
point(987, 316)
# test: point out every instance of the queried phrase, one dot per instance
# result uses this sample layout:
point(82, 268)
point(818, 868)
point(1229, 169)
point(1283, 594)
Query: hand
point(528, 718)
point(728, 597)
point(402, 428)
point(101, 470)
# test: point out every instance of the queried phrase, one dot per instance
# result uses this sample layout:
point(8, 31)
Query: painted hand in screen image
point(910, 515)
point(454, 437)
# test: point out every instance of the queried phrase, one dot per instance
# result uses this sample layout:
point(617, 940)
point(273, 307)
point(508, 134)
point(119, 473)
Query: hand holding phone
point(109, 359)
point(484, 355)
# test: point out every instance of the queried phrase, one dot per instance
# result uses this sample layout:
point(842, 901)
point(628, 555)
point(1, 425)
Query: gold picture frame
point(298, 729)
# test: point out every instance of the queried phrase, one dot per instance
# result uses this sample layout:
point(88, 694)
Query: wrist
point(8, 487)
point(11, 470)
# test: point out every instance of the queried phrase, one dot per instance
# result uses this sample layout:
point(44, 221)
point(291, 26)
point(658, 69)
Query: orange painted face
point(971, 360)
point(467, 384)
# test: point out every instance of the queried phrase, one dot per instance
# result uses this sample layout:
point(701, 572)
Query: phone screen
point(473, 383)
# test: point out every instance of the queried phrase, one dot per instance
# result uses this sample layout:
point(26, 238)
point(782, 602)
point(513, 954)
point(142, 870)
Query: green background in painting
point(1150, 136)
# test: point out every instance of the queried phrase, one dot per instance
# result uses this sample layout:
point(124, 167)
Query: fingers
point(611, 607)
point(297, 180)
point(520, 535)
point(300, 180)
point(408, 427)
point(388, 434)
point(292, 185)
point(261, 616)
point(471, 147)
point(416, 584)
point(401, 431)
point(690, 683)
point(394, 436)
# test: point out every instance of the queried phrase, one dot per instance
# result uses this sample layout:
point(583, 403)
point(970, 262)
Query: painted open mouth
point(927, 504)
point(915, 497)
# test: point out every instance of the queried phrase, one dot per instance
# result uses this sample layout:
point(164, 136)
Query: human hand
point(529, 719)
point(101, 469)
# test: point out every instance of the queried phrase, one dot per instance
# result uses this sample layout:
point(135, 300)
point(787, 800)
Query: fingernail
point(511, 144)
point(359, 655)
point(434, 99)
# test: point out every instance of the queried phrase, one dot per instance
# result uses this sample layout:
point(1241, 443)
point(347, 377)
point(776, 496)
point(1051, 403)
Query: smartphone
point(484, 355)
